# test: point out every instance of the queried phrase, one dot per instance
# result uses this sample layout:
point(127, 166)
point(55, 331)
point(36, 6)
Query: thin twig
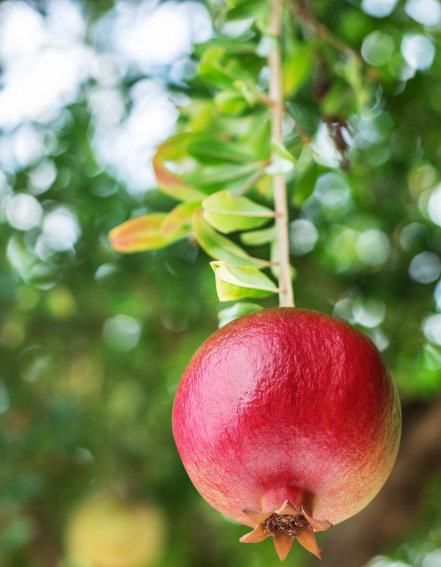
point(286, 295)
point(320, 30)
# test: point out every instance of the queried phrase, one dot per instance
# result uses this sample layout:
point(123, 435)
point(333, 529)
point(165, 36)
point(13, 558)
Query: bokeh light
point(379, 8)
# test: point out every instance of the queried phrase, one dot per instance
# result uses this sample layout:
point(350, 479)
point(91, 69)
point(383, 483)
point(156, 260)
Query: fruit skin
point(287, 404)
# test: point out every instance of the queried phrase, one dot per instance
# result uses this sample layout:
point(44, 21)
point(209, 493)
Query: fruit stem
point(286, 295)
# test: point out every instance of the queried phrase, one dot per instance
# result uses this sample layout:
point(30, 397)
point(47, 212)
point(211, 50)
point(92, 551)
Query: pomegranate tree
point(289, 422)
point(286, 420)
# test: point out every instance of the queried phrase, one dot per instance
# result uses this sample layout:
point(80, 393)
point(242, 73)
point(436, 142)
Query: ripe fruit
point(287, 421)
point(107, 531)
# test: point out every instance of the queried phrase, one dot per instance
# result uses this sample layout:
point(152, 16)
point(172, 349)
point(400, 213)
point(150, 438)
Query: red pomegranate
point(288, 421)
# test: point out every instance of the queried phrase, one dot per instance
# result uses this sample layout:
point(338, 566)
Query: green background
point(83, 407)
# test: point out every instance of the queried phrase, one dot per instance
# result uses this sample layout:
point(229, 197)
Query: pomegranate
point(287, 421)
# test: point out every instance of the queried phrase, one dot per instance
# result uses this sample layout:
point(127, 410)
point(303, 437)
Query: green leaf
point(305, 160)
point(230, 102)
point(245, 9)
point(169, 182)
point(258, 135)
point(282, 161)
point(304, 115)
point(258, 237)
point(221, 174)
point(232, 165)
point(248, 91)
point(235, 311)
point(339, 101)
point(139, 234)
point(237, 45)
point(353, 72)
point(282, 152)
point(219, 247)
point(178, 222)
point(297, 67)
point(237, 282)
point(212, 69)
point(228, 213)
point(207, 148)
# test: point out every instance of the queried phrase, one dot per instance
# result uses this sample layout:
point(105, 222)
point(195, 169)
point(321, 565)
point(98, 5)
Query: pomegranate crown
point(285, 525)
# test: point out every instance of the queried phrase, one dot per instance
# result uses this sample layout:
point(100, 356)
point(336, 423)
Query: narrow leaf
point(228, 213)
point(282, 152)
point(206, 147)
point(221, 174)
point(279, 166)
point(169, 182)
point(139, 234)
point(282, 161)
point(258, 237)
point(178, 222)
point(296, 68)
point(219, 247)
point(230, 102)
point(237, 282)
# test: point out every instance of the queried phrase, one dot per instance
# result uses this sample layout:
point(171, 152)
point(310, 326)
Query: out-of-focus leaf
point(258, 237)
point(282, 152)
point(304, 186)
point(212, 69)
point(235, 311)
point(219, 247)
point(305, 116)
point(222, 174)
point(296, 68)
point(230, 102)
point(235, 45)
point(353, 73)
point(339, 101)
point(282, 161)
point(139, 234)
point(169, 182)
point(305, 160)
point(259, 135)
point(228, 213)
point(248, 91)
point(200, 114)
point(178, 222)
point(274, 255)
point(242, 9)
point(212, 150)
point(237, 282)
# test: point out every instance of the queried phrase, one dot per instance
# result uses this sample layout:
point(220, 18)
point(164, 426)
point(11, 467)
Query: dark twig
point(302, 12)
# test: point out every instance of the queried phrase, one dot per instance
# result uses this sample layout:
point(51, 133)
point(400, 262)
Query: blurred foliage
point(93, 344)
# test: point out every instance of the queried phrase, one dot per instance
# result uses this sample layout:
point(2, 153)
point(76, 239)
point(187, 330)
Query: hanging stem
point(286, 295)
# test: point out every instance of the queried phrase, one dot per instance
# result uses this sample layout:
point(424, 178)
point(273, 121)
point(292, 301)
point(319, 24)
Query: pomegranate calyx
point(285, 525)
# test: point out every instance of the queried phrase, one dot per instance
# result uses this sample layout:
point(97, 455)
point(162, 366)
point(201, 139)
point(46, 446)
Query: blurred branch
point(392, 515)
point(43, 547)
point(301, 10)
